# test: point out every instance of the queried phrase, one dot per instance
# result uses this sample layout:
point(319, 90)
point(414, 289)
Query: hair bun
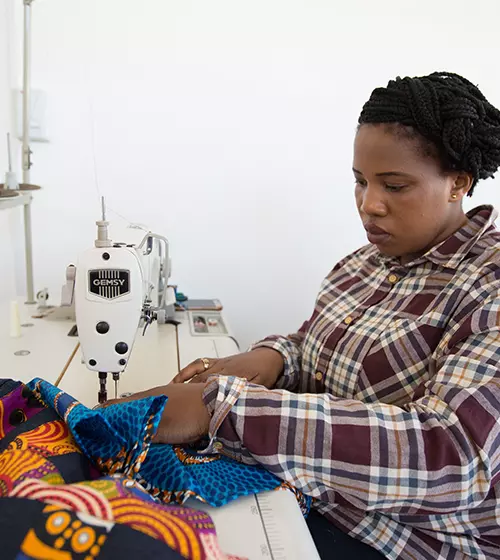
point(448, 110)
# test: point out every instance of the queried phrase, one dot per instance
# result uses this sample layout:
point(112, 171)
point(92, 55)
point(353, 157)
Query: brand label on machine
point(109, 283)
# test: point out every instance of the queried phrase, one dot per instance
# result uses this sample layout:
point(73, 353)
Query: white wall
point(228, 125)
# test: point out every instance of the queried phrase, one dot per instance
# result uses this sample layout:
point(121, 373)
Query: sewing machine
point(116, 289)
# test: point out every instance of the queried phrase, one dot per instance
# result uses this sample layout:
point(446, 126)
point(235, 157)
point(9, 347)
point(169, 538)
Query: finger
point(203, 377)
point(154, 392)
point(212, 370)
point(194, 368)
point(189, 371)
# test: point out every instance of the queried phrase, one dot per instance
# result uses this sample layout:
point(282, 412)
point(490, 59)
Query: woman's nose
point(372, 202)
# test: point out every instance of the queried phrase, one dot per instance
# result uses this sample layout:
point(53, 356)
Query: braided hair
point(448, 115)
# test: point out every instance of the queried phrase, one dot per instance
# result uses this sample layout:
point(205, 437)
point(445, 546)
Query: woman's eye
point(395, 188)
point(360, 183)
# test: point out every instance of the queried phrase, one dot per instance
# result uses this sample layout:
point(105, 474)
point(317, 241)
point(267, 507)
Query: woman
point(385, 405)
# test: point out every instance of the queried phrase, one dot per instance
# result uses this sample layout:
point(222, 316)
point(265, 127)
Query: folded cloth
point(118, 440)
point(55, 504)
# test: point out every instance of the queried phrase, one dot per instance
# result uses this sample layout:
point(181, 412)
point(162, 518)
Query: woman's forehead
point(378, 149)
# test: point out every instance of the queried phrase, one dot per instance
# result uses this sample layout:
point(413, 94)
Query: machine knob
point(121, 348)
point(102, 327)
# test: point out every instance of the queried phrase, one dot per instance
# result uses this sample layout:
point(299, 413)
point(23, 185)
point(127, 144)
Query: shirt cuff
point(220, 395)
point(291, 364)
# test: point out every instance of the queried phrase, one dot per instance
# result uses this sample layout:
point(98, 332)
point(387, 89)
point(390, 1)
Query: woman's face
point(403, 197)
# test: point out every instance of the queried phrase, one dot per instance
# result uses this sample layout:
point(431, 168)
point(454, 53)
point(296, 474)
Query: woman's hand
point(261, 366)
point(185, 418)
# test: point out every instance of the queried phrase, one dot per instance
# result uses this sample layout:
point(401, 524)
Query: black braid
point(453, 119)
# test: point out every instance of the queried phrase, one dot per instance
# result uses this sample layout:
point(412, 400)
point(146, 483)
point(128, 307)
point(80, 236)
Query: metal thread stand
point(26, 157)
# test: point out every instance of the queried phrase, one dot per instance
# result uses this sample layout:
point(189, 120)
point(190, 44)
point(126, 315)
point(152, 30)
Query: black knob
point(102, 327)
point(122, 362)
point(121, 348)
point(105, 256)
point(92, 363)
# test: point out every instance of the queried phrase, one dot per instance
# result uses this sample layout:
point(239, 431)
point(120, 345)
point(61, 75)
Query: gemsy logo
point(109, 283)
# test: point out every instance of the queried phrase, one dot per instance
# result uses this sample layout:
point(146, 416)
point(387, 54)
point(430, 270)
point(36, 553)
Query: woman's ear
point(461, 186)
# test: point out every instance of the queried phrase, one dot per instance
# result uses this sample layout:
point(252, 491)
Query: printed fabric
point(78, 494)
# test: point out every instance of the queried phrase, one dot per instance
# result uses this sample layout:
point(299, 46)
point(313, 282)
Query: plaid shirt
point(388, 410)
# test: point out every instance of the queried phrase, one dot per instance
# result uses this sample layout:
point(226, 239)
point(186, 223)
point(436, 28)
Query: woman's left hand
point(185, 418)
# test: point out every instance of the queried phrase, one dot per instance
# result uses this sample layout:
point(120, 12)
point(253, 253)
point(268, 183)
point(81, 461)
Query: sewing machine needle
point(116, 377)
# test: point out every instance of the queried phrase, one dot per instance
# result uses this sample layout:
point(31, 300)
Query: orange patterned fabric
point(52, 438)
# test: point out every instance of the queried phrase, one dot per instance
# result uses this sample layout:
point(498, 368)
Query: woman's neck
point(457, 224)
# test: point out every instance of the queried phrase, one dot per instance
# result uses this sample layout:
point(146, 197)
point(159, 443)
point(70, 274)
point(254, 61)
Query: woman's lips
point(376, 234)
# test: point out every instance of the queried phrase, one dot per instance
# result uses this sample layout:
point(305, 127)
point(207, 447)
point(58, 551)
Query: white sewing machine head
point(118, 288)
point(109, 299)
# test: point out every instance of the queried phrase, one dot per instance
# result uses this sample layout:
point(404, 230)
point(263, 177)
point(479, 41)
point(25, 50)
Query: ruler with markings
point(266, 526)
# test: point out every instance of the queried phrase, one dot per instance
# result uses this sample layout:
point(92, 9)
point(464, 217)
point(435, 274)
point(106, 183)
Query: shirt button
point(348, 320)
point(393, 278)
point(218, 446)
point(319, 376)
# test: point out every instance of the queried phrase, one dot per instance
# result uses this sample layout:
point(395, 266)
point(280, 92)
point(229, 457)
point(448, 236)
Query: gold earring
point(454, 196)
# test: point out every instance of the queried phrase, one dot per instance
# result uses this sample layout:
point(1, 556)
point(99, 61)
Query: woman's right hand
point(261, 366)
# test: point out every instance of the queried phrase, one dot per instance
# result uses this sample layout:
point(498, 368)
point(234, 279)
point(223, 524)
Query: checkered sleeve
point(436, 454)
point(291, 347)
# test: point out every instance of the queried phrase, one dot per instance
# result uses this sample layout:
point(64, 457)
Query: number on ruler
point(264, 550)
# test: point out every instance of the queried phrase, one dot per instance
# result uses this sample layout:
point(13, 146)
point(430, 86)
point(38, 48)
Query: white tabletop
point(47, 344)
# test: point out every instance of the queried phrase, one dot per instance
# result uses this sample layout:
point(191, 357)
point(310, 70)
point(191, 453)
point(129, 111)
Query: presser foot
point(102, 396)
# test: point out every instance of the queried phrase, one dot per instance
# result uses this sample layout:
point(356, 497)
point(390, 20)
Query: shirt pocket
point(400, 359)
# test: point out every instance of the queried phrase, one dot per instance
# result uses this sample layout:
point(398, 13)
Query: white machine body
point(109, 298)
point(155, 262)
point(116, 288)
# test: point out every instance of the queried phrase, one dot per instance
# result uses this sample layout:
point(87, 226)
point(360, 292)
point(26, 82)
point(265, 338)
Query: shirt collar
point(451, 252)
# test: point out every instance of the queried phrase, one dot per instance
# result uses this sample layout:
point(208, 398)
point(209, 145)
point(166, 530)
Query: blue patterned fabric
point(114, 438)
point(216, 479)
point(118, 440)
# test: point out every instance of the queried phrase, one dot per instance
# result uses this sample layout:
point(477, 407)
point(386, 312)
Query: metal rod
point(9, 152)
point(102, 396)
point(26, 91)
point(28, 249)
point(28, 240)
